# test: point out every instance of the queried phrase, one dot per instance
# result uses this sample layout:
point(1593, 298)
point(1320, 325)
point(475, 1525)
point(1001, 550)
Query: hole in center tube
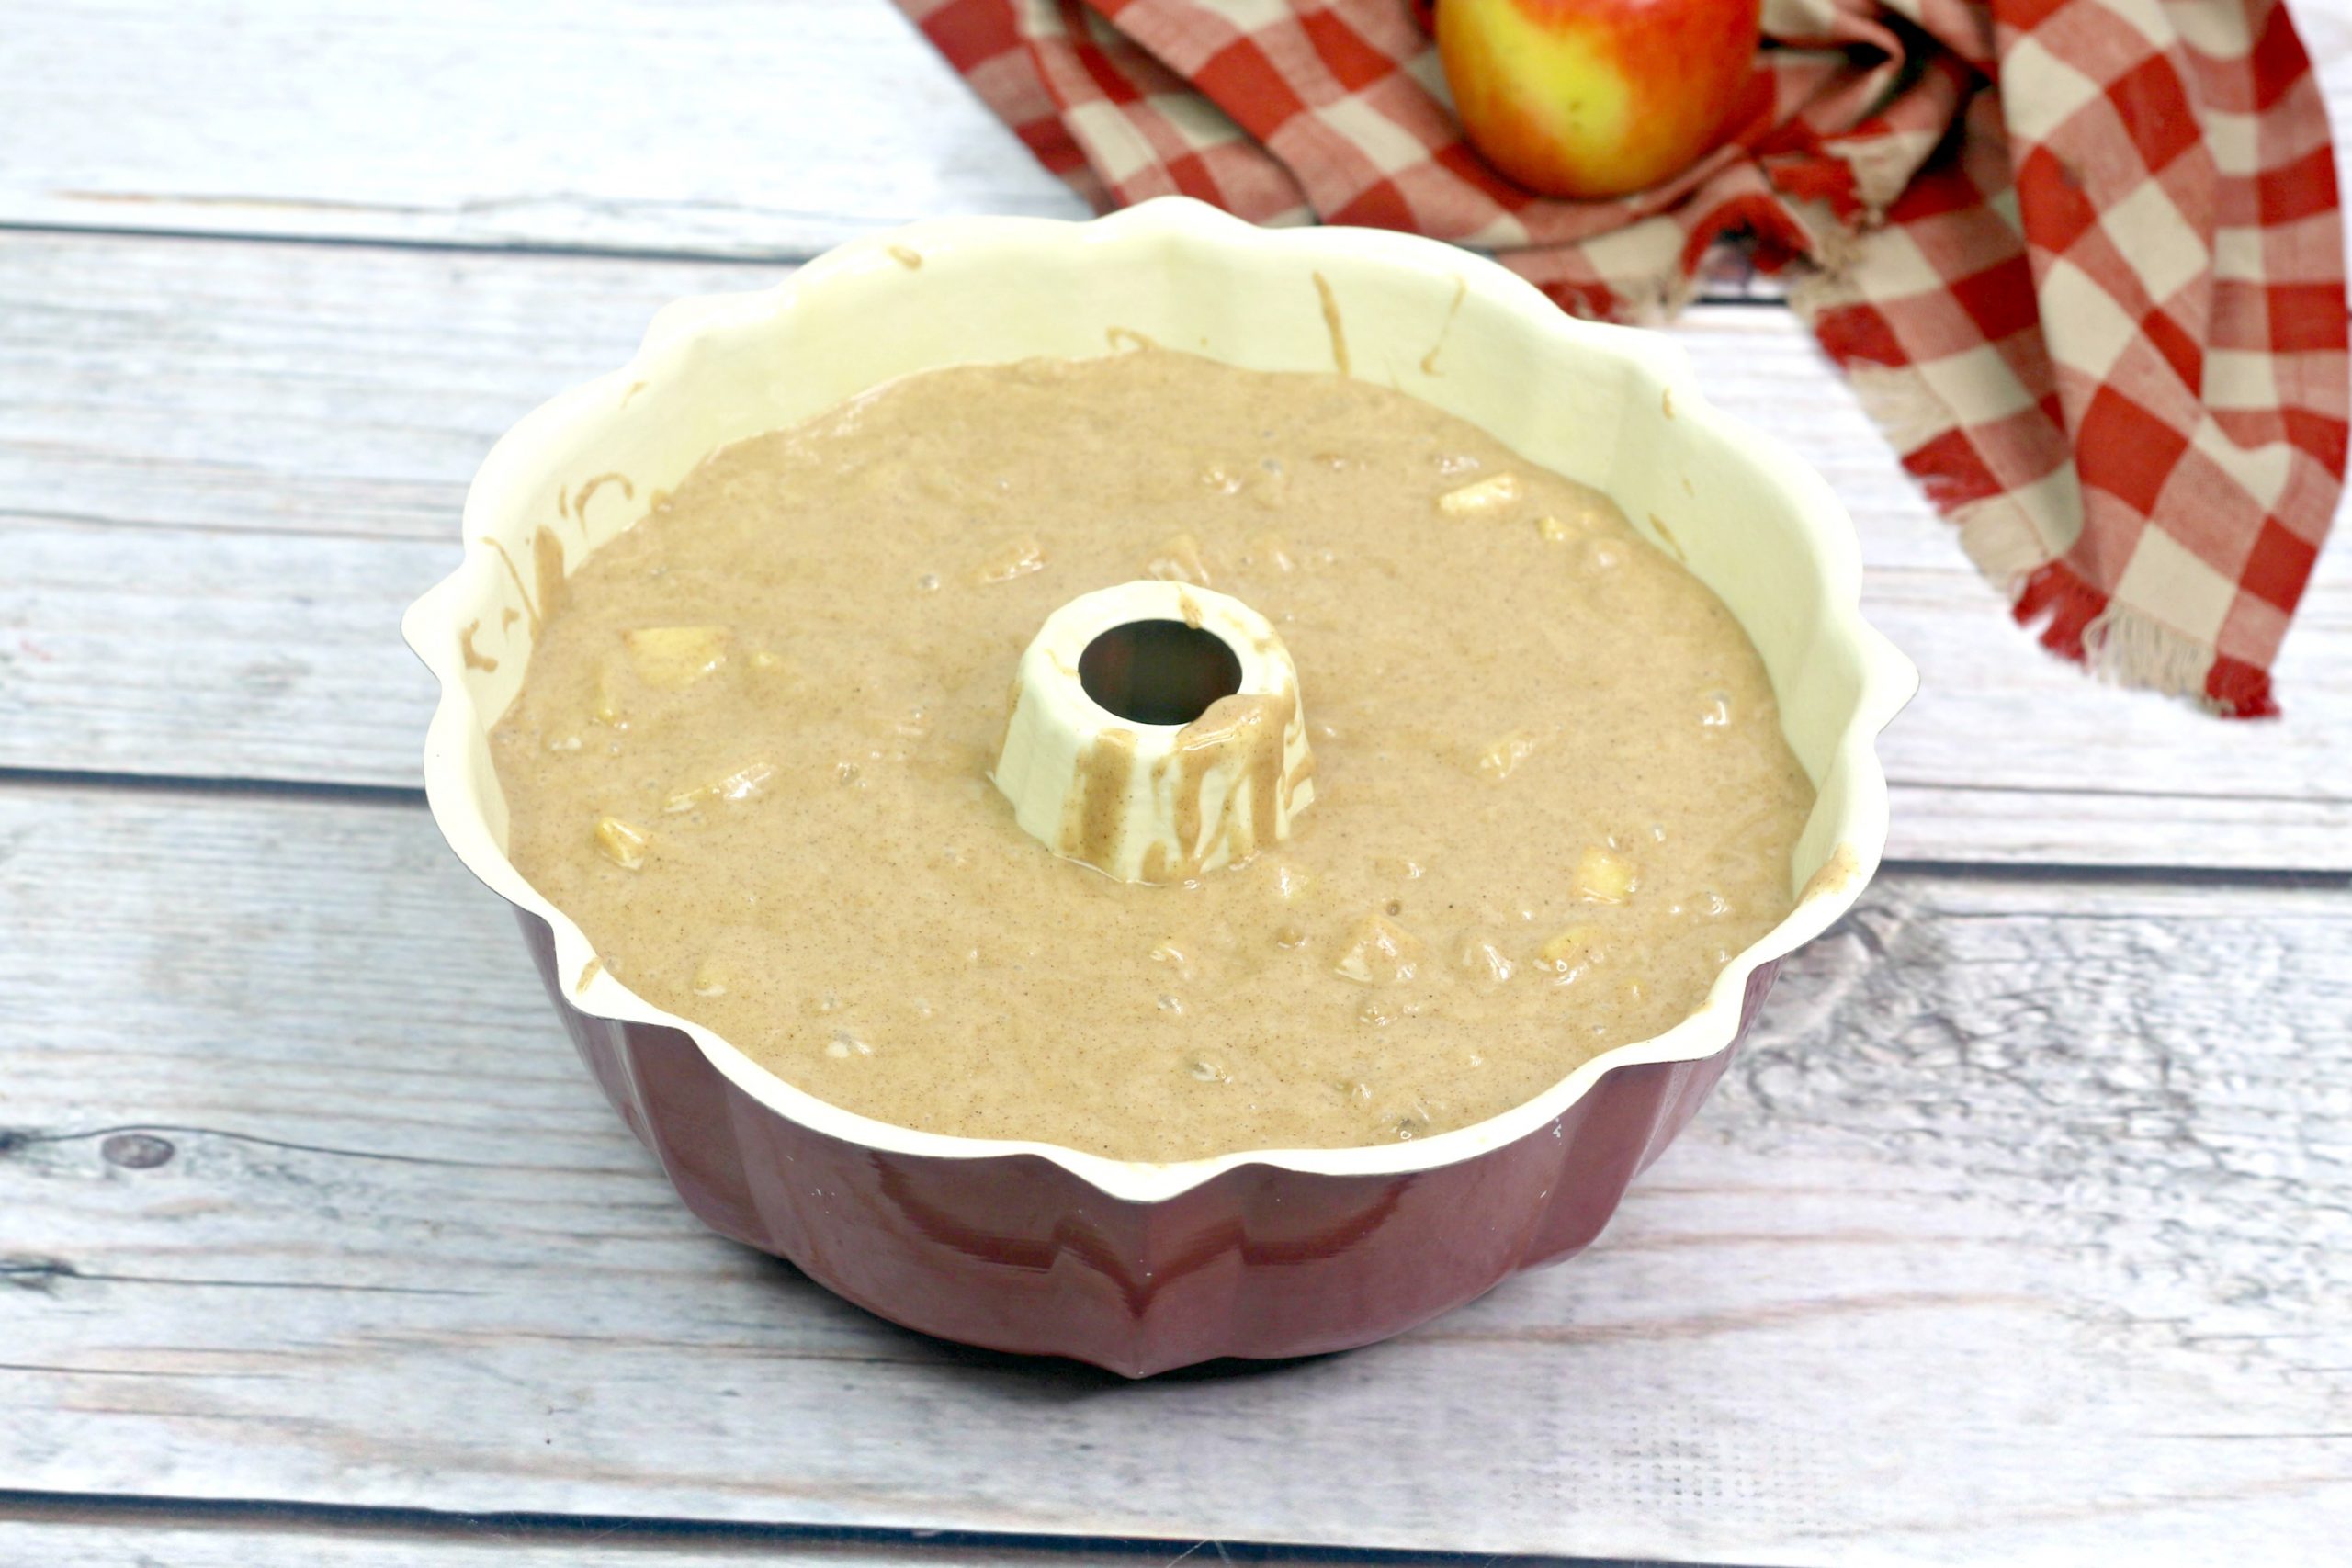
point(1159, 671)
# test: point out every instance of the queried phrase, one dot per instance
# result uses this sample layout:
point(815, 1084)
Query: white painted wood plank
point(710, 127)
point(225, 467)
point(2021, 1233)
point(728, 127)
point(97, 1536)
point(239, 1544)
point(328, 390)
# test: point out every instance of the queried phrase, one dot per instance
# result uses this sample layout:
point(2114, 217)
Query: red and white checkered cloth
point(2082, 258)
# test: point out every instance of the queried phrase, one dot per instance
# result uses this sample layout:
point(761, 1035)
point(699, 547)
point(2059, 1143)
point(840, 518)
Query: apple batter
point(751, 758)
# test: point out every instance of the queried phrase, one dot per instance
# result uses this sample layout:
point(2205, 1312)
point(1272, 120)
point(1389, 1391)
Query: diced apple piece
point(1484, 960)
point(622, 845)
point(742, 785)
point(1481, 497)
point(1379, 952)
point(670, 659)
point(1603, 876)
point(745, 781)
point(1015, 557)
point(1570, 953)
point(607, 704)
point(1503, 755)
point(1179, 560)
point(711, 978)
point(1178, 960)
point(1270, 550)
point(1581, 519)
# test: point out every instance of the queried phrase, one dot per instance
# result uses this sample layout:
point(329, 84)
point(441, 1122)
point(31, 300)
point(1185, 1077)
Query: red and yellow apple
point(1596, 98)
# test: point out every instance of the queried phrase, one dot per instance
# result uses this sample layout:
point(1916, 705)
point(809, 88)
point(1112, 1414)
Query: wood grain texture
point(114, 1545)
point(768, 128)
point(226, 468)
point(728, 127)
point(167, 1535)
point(2022, 1233)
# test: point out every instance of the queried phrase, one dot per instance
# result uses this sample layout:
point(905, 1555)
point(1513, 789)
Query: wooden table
point(2022, 1233)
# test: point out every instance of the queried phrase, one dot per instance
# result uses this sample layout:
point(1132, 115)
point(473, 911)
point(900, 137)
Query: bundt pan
point(1134, 1266)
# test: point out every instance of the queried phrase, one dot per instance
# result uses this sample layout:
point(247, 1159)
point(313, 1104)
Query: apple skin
point(1596, 98)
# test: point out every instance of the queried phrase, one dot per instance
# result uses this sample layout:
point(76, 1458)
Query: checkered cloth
point(2082, 258)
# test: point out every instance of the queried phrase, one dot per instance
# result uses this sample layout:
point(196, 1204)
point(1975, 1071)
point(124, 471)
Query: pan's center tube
point(1156, 733)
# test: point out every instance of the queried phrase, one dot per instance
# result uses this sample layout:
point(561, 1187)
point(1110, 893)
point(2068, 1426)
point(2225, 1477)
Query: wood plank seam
point(786, 256)
point(17, 777)
point(262, 1514)
point(1741, 292)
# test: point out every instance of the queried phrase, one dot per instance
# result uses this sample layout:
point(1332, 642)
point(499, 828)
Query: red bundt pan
point(1134, 1266)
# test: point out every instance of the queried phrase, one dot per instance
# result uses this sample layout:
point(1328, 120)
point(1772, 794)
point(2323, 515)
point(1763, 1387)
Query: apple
point(1596, 98)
